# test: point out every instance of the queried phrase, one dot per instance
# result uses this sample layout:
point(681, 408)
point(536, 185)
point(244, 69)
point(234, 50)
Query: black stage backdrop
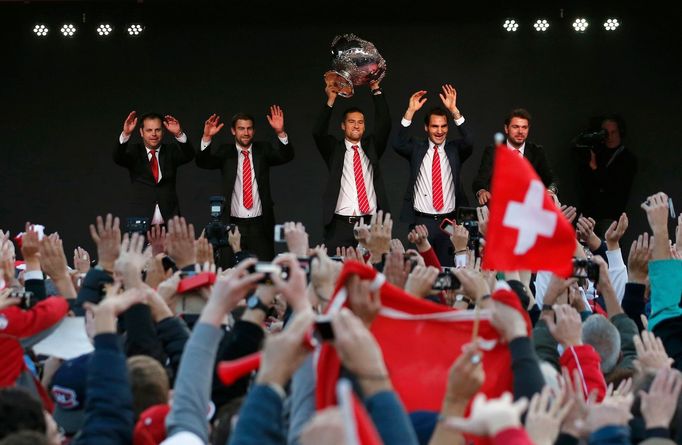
point(63, 101)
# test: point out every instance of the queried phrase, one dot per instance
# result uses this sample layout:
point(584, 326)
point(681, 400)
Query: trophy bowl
point(354, 62)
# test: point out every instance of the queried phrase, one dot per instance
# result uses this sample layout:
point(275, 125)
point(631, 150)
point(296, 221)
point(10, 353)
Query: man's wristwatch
point(254, 303)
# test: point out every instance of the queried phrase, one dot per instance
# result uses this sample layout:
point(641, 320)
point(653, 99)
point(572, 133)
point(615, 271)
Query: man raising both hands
point(245, 166)
point(153, 165)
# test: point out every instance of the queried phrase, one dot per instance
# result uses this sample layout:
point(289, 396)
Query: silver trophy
point(354, 62)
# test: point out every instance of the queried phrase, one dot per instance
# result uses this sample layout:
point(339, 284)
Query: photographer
point(606, 169)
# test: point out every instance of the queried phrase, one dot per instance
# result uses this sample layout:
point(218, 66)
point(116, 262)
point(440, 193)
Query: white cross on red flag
point(526, 230)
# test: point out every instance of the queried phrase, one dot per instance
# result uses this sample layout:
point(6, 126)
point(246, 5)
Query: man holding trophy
point(355, 187)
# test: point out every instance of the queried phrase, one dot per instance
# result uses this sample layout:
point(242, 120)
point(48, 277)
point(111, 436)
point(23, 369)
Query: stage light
point(611, 24)
point(510, 25)
point(68, 30)
point(135, 29)
point(580, 25)
point(541, 25)
point(104, 29)
point(40, 30)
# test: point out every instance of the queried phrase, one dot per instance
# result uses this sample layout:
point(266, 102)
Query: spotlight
point(135, 29)
point(40, 30)
point(541, 25)
point(510, 25)
point(68, 30)
point(104, 29)
point(580, 25)
point(611, 24)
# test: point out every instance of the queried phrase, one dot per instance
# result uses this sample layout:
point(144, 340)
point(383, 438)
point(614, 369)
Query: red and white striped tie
point(363, 202)
point(247, 197)
point(436, 181)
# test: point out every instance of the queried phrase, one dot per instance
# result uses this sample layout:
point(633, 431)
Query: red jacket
point(16, 324)
point(588, 363)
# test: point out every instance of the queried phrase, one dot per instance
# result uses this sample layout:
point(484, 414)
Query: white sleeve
point(405, 122)
point(122, 139)
point(284, 140)
point(459, 121)
point(204, 145)
point(541, 283)
point(618, 272)
point(182, 139)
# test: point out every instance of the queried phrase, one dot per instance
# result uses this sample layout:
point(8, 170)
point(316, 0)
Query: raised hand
point(132, 259)
point(296, 238)
point(156, 237)
point(364, 303)
point(81, 260)
point(203, 250)
point(130, 123)
point(234, 238)
point(30, 246)
point(651, 354)
point(656, 208)
point(417, 100)
point(459, 238)
point(107, 235)
point(545, 414)
point(53, 260)
point(229, 289)
point(482, 215)
point(489, 416)
point(419, 236)
point(332, 92)
point(659, 404)
point(180, 242)
point(449, 99)
point(638, 259)
point(586, 233)
point(379, 241)
point(276, 119)
point(172, 125)
point(292, 289)
point(211, 127)
point(616, 231)
point(113, 304)
point(568, 328)
point(569, 212)
point(420, 281)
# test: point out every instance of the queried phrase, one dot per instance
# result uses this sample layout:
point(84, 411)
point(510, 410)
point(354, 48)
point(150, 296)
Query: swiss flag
point(526, 230)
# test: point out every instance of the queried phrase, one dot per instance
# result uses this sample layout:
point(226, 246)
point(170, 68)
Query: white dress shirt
point(423, 188)
point(237, 208)
point(157, 218)
point(522, 148)
point(347, 202)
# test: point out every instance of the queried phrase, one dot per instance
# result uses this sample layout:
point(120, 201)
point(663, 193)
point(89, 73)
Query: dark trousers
point(439, 240)
point(339, 232)
point(257, 236)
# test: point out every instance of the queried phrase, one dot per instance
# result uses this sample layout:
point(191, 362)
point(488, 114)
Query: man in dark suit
point(355, 187)
point(153, 165)
point(516, 127)
point(245, 166)
point(435, 188)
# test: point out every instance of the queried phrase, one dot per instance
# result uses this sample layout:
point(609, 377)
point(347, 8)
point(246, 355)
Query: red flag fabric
point(526, 230)
point(420, 340)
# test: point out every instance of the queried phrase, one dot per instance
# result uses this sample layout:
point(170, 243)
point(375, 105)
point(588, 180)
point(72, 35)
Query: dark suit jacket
point(145, 192)
point(333, 151)
point(457, 151)
point(265, 155)
point(535, 155)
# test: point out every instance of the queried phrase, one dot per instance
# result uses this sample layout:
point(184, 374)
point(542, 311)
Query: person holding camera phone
point(517, 128)
point(435, 186)
point(245, 166)
point(355, 188)
point(153, 165)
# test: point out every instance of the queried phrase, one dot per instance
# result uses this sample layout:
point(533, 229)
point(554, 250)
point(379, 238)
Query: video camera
point(216, 231)
point(590, 139)
point(468, 217)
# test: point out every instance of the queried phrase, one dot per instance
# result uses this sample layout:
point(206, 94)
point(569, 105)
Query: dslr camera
point(446, 280)
point(216, 231)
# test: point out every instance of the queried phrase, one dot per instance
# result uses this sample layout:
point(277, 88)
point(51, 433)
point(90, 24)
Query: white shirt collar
point(522, 148)
point(349, 144)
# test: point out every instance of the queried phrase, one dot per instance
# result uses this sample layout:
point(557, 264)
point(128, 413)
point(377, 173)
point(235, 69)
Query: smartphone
point(279, 234)
point(323, 329)
point(446, 280)
point(26, 300)
point(268, 269)
point(448, 226)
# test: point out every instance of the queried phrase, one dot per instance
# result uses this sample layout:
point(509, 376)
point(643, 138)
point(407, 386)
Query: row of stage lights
point(579, 25)
point(103, 30)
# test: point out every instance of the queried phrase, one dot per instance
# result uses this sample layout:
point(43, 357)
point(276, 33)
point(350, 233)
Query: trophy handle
point(341, 81)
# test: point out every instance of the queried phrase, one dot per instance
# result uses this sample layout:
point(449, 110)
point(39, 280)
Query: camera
point(279, 234)
point(26, 300)
point(269, 269)
point(323, 328)
point(468, 217)
point(446, 280)
point(216, 230)
point(585, 268)
point(590, 139)
point(136, 224)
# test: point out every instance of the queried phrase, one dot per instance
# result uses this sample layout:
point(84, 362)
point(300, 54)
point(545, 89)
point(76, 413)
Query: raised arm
point(209, 155)
point(323, 140)
point(121, 155)
point(382, 118)
point(401, 140)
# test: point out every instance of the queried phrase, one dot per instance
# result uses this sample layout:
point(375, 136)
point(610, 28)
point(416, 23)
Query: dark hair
point(25, 437)
point(618, 119)
point(19, 410)
point(518, 112)
point(347, 111)
point(150, 116)
point(241, 116)
point(435, 111)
